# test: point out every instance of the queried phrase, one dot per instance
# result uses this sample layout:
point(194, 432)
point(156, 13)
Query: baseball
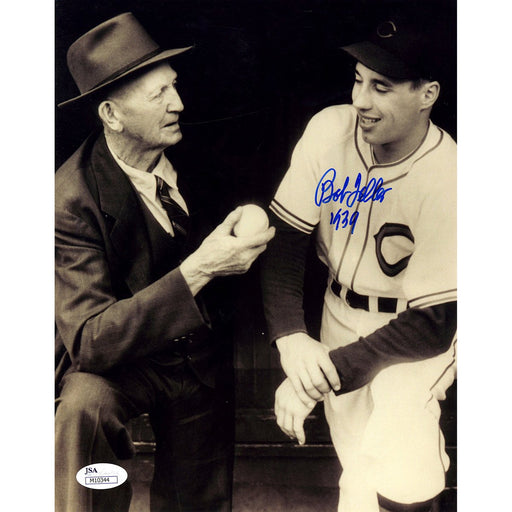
point(253, 220)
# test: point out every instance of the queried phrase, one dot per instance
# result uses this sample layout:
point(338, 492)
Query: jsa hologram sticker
point(101, 476)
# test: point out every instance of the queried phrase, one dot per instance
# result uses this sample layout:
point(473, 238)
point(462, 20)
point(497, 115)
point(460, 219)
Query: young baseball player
point(375, 183)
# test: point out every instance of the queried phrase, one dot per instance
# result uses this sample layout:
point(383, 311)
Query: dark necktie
point(178, 217)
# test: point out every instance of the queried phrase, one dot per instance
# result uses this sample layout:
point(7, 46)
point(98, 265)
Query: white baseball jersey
point(384, 230)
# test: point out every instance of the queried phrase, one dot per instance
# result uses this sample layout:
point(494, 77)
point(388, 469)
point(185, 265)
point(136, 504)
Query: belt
point(357, 301)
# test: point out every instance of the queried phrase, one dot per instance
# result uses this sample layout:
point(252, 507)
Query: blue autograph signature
point(325, 193)
point(325, 190)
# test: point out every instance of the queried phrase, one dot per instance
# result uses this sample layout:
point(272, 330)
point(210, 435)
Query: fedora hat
point(111, 51)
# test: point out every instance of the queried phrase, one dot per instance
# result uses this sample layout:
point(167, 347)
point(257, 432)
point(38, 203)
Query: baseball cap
point(397, 48)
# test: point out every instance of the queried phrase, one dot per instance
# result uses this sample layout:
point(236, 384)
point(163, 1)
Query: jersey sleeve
point(294, 201)
point(431, 276)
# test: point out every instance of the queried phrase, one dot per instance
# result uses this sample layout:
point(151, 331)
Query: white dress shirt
point(145, 184)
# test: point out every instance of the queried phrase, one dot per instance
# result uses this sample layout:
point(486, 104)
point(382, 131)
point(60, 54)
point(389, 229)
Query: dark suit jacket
point(112, 306)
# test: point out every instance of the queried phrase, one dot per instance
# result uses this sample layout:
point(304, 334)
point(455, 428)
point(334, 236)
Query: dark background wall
point(259, 71)
point(260, 66)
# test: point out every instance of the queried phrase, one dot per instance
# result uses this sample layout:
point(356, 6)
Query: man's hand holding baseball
point(222, 254)
point(308, 366)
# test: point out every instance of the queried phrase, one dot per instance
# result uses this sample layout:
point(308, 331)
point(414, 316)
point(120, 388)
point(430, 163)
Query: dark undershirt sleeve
point(414, 335)
point(282, 268)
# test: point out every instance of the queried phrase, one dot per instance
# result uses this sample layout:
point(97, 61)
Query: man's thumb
point(229, 222)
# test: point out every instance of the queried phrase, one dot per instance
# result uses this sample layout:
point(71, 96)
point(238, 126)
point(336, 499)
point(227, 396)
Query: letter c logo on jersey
point(394, 244)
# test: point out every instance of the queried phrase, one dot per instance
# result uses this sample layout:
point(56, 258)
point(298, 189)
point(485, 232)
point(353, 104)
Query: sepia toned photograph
point(255, 256)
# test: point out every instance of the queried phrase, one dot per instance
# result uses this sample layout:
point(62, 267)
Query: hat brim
point(166, 54)
point(379, 60)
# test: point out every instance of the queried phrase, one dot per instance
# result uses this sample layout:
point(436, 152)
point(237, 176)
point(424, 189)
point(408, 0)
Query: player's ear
point(109, 115)
point(430, 92)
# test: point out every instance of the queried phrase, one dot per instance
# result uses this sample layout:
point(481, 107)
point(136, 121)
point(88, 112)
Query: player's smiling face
point(389, 111)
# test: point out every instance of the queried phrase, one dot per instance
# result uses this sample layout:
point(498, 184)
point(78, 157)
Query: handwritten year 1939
point(342, 216)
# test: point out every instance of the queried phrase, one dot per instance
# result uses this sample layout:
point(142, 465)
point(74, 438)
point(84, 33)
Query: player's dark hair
point(417, 83)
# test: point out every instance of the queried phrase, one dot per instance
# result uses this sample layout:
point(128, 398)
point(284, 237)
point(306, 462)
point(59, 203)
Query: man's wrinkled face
point(149, 109)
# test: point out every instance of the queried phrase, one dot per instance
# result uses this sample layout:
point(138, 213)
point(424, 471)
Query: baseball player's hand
point(290, 411)
point(307, 364)
point(222, 254)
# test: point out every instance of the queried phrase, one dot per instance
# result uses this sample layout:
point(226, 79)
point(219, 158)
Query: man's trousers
point(193, 426)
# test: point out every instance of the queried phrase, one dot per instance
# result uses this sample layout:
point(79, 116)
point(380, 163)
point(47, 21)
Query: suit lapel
point(118, 200)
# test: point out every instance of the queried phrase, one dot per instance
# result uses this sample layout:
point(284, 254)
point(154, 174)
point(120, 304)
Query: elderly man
point(134, 331)
point(375, 182)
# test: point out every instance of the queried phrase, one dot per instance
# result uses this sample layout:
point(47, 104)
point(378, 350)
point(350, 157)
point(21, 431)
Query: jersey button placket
point(356, 241)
